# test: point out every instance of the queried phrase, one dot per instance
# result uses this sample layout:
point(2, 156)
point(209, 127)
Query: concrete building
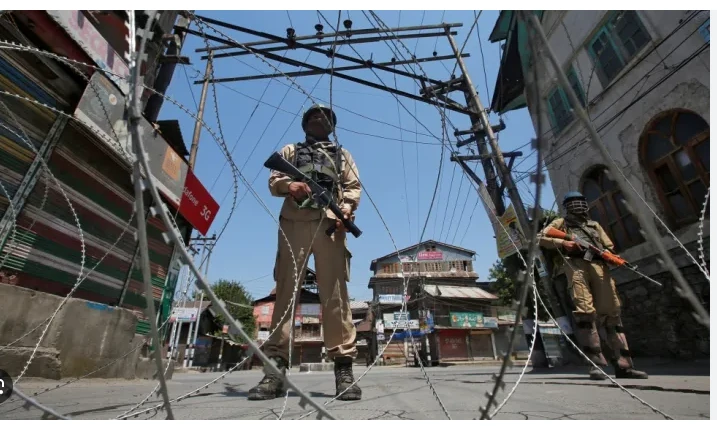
point(447, 313)
point(82, 139)
point(644, 78)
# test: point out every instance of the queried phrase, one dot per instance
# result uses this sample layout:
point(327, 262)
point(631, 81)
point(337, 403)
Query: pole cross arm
point(326, 52)
point(330, 43)
point(349, 33)
point(323, 71)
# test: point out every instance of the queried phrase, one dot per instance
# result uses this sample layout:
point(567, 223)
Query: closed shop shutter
point(481, 345)
point(394, 353)
point(453, 344)
point(311, 352)
point(98, 191)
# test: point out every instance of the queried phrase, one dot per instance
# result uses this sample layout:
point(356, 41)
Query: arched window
point(675, 150)
point(607, 206)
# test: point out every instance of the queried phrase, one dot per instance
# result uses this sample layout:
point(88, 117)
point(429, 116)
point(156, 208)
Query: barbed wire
point(28, 142)
point(160, 210)
point(700, 233)
point(363, 188)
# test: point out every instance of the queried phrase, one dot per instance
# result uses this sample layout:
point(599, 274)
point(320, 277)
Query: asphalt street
point(682, 392)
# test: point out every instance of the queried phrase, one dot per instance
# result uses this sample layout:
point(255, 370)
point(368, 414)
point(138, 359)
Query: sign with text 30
point(197, 205)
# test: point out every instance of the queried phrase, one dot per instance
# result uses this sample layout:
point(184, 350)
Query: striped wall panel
point(46, 252)
point(26, 123)
point(48, 242)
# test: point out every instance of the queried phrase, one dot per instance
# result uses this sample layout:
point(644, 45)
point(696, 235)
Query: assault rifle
point(606, 255)
point(320, 195)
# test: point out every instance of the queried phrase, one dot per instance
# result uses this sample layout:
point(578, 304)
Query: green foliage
point(504, 286)
point(237, 294)
point(504, 273)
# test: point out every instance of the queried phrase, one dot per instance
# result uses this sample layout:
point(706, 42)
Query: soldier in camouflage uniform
point(302, 221)
point(592, 288)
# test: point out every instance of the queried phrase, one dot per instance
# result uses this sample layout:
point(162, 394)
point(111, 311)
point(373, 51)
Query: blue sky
point(398, 160)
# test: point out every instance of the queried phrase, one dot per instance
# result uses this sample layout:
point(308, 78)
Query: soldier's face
point(318, 125)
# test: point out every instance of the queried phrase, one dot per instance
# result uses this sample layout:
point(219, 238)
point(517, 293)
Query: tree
point(238, 302)
point(504, 273)
point(504, 286)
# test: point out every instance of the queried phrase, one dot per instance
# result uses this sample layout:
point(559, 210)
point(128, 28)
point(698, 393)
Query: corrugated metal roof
point(355, 304)
point(459, 292)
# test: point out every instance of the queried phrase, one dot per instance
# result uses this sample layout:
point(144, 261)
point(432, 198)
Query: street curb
point(316, 367)
point(478, 363)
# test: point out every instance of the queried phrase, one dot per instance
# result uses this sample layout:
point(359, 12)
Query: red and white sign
point(197, 205)
point(430, 255)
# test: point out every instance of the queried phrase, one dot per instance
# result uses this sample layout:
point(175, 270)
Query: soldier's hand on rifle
point(346, 210)
point(299, 190)
point(571, 246)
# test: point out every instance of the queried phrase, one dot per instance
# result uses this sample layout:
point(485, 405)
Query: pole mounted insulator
point(291, 38)
point(347, 24)
point(319, 31)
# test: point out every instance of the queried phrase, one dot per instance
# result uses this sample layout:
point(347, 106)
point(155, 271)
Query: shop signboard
point(466, 319)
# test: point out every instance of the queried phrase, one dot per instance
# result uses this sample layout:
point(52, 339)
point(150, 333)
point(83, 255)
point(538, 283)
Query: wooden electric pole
point(200, 114)
point(486, 131)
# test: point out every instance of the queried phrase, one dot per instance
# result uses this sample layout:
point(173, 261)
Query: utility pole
point(200, 113)
point(206, 244)
point(488, 131)
point(433, 92)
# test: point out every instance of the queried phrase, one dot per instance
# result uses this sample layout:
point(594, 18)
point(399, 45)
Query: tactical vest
point(586, 232)
point(556, 258)
point(322, 162)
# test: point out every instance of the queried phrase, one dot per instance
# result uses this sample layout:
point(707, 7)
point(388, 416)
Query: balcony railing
point(457, 266)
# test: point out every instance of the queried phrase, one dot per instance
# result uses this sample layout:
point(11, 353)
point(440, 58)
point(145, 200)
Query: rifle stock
point(277, 162)
point(609, 257)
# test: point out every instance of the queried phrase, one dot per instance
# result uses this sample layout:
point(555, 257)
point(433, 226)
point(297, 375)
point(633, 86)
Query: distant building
point(644, 77)
point(308, 322)
point(448, 315)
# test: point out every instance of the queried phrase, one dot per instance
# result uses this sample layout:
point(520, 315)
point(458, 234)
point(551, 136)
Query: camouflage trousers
point(597, 304)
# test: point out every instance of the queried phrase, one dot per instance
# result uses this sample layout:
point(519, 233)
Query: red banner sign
point(430, 255)
point(197, 205)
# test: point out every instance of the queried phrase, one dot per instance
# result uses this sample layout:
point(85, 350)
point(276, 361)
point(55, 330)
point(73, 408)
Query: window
point(675, 150)
point(265, 310)
point(559, 109)
point(606, 205)
point(616, 42)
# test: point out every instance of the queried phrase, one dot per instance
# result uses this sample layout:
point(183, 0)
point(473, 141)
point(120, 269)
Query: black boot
point(272, 385)
point(628, 373)
point(343, 371)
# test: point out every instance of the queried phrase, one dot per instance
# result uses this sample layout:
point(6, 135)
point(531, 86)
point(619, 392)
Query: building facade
point(307, 323)
point(448, 316)
point(67, 200)
point(643, 77)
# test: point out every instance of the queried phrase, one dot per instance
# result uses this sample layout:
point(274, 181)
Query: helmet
point(314, 108)
point(572, 195)
point(575, 203)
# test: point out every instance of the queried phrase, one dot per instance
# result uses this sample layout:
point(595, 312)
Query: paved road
point(391, 393)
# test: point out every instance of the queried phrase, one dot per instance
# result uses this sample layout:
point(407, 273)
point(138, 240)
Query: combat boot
point(343, 371)
point(272, 385)
point(596, 374)
point(629, 373)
